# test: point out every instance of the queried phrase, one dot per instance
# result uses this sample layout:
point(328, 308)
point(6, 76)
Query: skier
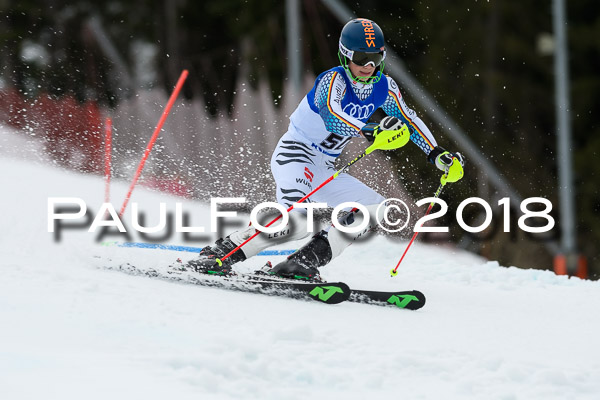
point(333, 112)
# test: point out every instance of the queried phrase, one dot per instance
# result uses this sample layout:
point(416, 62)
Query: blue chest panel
point(351, 104)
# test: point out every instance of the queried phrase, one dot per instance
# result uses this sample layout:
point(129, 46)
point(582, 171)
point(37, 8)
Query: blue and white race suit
point(326, 119)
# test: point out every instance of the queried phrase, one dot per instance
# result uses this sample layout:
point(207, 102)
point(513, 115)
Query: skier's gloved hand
point(451, 163)
point(390, 123)
point(370, 130)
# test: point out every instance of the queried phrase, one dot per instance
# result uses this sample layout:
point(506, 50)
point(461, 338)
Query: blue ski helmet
point(362, 42)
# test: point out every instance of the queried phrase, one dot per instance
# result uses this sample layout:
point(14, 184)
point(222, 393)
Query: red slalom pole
point(107, 158)
point(159, 126)
point(394, 272)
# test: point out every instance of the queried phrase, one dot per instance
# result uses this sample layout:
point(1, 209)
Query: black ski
point(409, 300)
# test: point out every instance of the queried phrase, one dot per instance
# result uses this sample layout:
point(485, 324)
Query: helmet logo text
point(369, 32)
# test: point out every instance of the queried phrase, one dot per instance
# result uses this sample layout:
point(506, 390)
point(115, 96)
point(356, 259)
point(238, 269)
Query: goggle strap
point(346, 51)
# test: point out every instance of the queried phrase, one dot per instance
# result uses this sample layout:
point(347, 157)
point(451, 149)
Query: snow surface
point(70, 329)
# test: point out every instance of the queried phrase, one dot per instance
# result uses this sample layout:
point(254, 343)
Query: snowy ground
point(72, 330)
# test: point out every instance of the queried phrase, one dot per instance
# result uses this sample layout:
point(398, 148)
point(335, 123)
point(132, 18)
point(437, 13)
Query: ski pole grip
point(390, 140)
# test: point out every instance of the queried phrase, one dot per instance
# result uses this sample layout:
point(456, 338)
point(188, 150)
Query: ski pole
point(394, 271)
point(157, 130)
point(385, 140)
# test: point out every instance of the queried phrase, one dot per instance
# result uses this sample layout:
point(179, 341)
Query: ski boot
point(207, 262)
point(305, 262)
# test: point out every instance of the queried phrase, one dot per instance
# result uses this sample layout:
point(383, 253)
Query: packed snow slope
point(71, 329)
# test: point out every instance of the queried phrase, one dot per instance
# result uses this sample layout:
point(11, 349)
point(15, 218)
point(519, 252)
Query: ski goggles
point(362, 59)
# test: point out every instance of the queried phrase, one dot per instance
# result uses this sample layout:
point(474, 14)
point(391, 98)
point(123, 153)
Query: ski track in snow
point(72, 329)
